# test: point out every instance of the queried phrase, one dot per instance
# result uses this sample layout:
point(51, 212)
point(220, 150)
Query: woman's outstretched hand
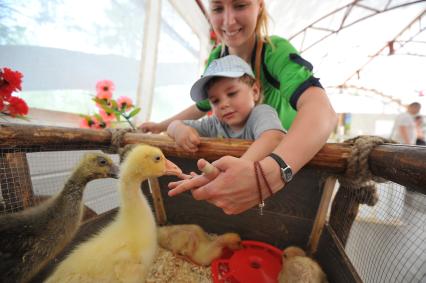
point(194, 180)
point(234, 189)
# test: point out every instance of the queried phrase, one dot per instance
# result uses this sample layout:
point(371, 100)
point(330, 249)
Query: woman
point(288, 86)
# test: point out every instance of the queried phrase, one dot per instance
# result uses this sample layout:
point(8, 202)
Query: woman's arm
point(263, 145)
point(314, 122)
point(190, 113)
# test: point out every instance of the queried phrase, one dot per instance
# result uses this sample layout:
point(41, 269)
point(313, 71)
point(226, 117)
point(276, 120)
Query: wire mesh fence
point(387, 241)
point(30, 177)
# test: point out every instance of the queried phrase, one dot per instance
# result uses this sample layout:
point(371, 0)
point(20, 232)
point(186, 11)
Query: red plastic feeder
point(256, 262)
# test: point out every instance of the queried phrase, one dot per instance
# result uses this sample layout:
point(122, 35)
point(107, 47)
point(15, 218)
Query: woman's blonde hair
point(262, 35)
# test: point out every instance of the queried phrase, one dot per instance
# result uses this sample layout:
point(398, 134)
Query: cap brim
point(198, 92)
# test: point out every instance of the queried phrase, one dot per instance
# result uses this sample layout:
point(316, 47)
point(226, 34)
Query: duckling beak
point(114, 171)
point(172, 169)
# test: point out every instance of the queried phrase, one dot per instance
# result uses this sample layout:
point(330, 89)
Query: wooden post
point(321, 216)
point(148, 62)
point(15, 181)
point(157, 199)
point(345, 208)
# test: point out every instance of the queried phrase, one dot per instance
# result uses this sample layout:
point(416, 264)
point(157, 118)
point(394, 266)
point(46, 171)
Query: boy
point(230, 86)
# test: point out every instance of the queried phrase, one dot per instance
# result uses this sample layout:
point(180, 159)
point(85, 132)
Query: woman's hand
point(194, 180)
point(234, 189)
point(152, 127)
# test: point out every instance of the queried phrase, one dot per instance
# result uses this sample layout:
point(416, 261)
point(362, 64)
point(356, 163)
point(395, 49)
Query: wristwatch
point(286, 172)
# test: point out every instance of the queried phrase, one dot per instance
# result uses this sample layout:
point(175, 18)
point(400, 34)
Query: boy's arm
point(263, 145)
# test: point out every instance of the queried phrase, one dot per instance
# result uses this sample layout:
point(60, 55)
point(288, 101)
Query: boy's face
point(232, 101)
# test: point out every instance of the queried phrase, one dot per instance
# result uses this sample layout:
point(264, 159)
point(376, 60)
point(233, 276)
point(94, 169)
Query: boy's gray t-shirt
point(262, 118)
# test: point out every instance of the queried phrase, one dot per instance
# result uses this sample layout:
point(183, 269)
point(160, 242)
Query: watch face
point(287, 174)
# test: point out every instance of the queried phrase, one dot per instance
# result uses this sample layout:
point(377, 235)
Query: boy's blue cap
point(230, 66)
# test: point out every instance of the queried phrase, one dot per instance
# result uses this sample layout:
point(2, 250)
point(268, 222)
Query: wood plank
point(345, 208)
point(15, 182)
point(333, 259)
point(321, 216)
point(402, 164)
point(53, 138)
point(160, 211)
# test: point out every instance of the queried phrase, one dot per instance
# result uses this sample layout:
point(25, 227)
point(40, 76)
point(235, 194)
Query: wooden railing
point(402, 164)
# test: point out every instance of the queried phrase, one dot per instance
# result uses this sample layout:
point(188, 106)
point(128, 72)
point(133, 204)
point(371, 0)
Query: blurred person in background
point(419, 128)
point(404, 130)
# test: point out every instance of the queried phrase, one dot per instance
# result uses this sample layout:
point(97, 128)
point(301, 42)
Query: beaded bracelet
point(257, 167)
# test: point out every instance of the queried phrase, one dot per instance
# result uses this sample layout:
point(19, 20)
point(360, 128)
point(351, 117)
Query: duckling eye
point(157, 158)
point(102, 161)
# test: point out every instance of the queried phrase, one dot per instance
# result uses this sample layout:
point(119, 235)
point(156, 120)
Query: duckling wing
point(16, 246)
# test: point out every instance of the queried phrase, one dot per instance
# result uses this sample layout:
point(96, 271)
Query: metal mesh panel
point(387, 241)
point(29, 177)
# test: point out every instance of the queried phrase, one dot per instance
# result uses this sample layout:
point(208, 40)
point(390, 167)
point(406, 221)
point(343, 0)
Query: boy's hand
point(187, 138)
point(152, 127)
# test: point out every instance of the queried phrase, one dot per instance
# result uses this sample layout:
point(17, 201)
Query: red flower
point(107, 117)
point(17, 106)
point(85, 123)
point(100, 123)
point(104, 89)
point(10, 81)
point(107, 95)
point(93, 122)
point(1, 104)
point(124, 102)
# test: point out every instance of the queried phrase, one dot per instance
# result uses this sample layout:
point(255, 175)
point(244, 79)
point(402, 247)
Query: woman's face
point(234, 21)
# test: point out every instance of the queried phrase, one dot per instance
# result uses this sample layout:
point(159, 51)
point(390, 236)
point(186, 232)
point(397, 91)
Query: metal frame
point(394, 44)
point(349, 8)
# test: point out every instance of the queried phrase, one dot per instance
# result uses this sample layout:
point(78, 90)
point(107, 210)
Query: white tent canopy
point(65, 47)
point(358, 55)
point(348, 43)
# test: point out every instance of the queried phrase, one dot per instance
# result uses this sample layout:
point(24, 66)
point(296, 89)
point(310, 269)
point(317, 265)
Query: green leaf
point(107, 109)
point(98, 117)
point(134, 112)
point(99, 100)
point(114, 104)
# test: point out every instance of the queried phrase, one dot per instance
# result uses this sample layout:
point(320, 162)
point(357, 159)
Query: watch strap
point(279, 160)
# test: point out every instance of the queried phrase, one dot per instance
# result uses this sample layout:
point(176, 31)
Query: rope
point(358, 178)
point(117, 136)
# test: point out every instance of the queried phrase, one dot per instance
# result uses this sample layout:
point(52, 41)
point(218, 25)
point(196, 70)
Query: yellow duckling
point(125, 249)
point(298, 268)
point(30, 238)
point(191, 242)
